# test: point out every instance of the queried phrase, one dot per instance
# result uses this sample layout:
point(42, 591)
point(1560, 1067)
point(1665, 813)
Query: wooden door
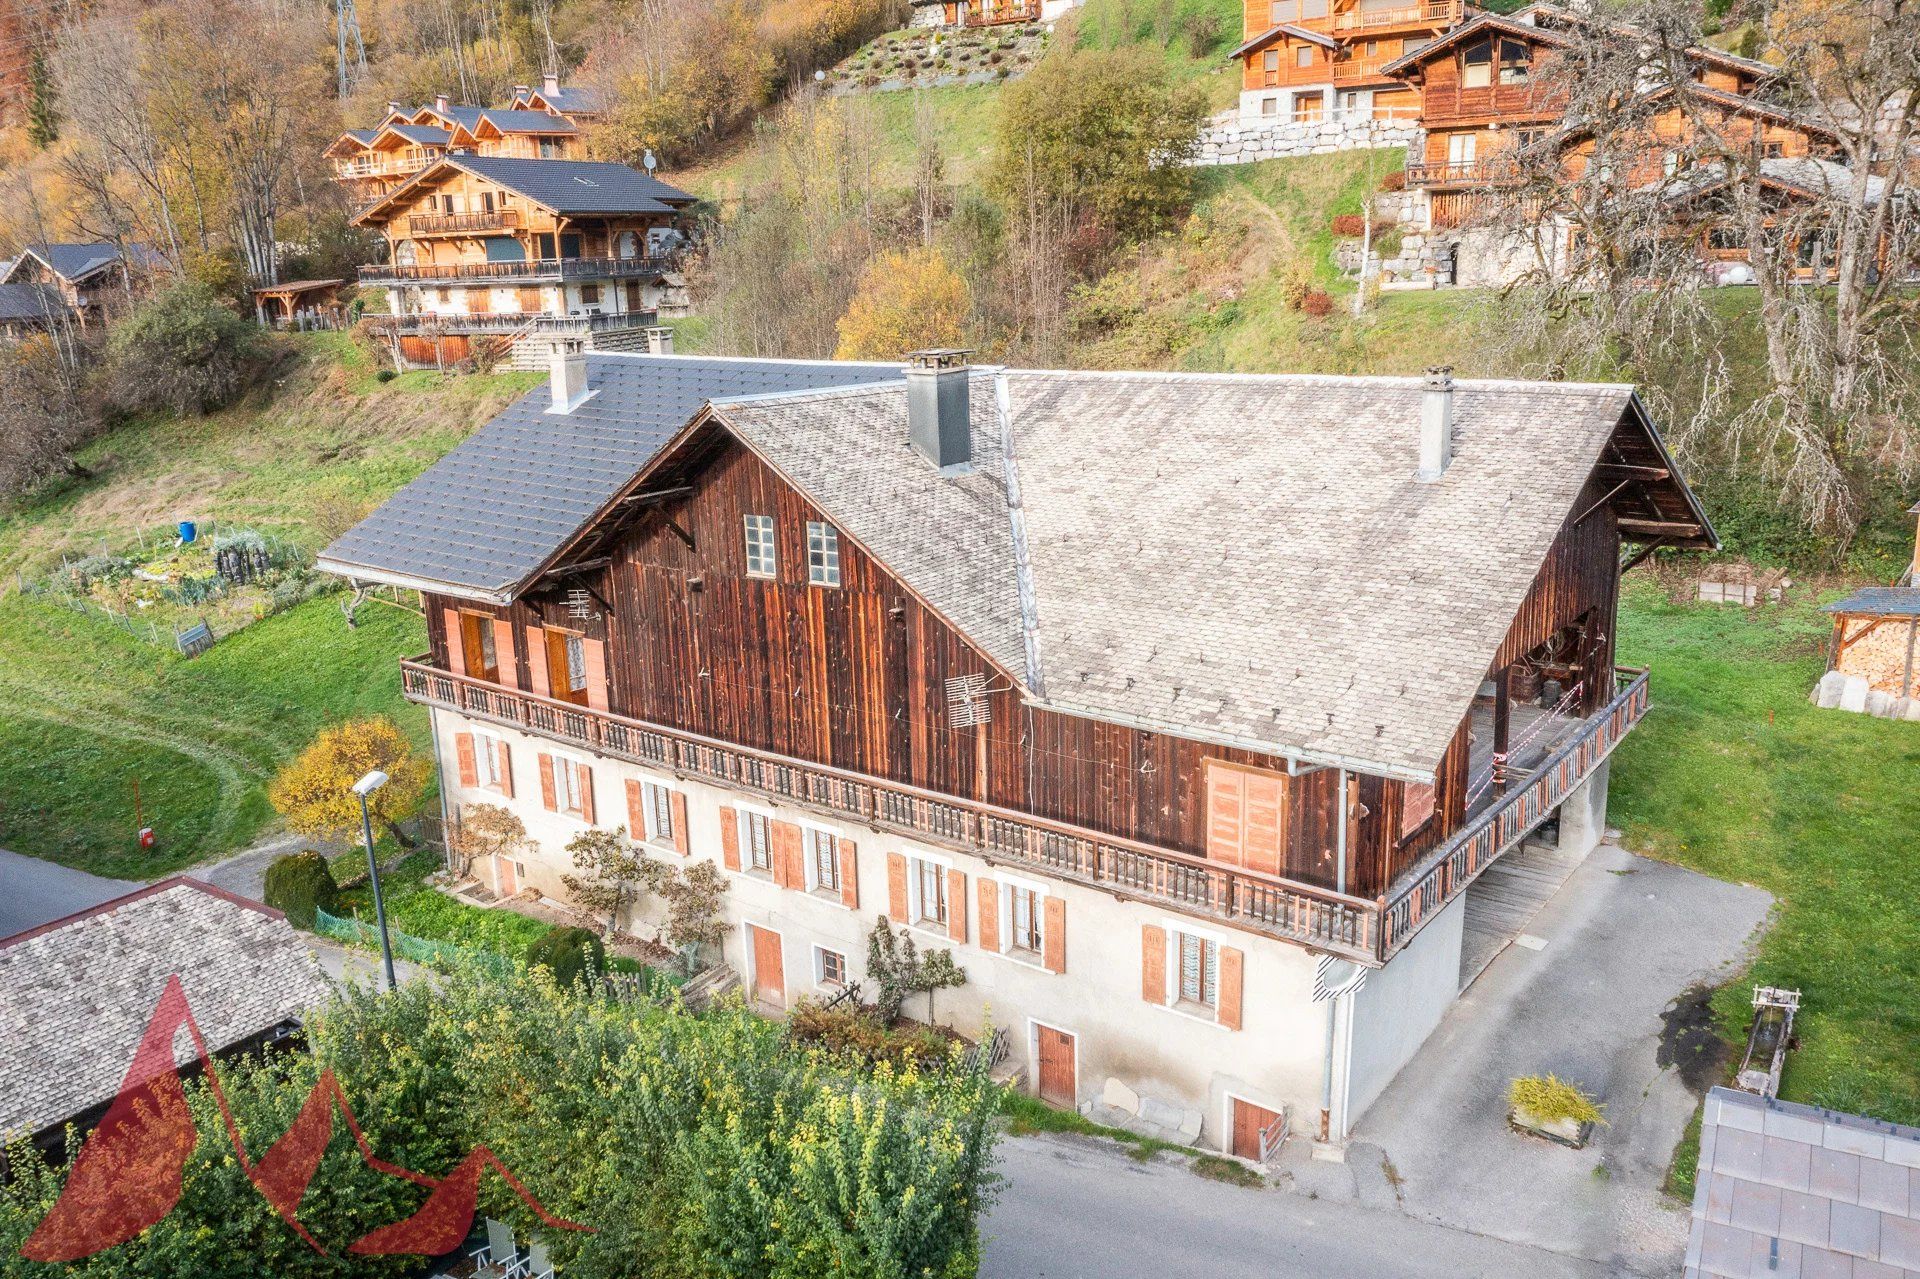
point(1056, 1069)
point(1249, 1121)
point(633, 297)
point(505, 882)
point(479, 301)
point(529, 300)
point(769, 975)
point(476, 641)
point(566, 674)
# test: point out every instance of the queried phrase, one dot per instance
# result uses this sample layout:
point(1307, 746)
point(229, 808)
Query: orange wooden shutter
point(596, 657)
point(1153, 964)
point(989, 893)
point(680, 840)
point(897, 887)
point(537, 661)
point(1262, 821)
point(729, 839)
point(504, 768)
point(1055, 942)
point(469, 766)
point(636, 812)
point(787, 869)
point(1232, 977)
point(547, 793)
point(1226, 841)
point(586, 795)
point(503, 652)
point(957, 905)
point(456, 642)
point(849, 875)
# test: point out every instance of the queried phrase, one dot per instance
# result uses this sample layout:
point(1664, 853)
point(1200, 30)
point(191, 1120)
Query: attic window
point(967, 703)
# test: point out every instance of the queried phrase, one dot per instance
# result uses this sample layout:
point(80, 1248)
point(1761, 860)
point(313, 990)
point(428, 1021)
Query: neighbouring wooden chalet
point(502, 247)
point(1307, 61)
point(372, 162)
point(27, 309)
point(952, 14)
point(90, 279)
point(1187, 736)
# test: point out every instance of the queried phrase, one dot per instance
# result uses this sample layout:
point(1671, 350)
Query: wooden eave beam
point(1623, 470)
point(1633, 561)
point(1660, 528)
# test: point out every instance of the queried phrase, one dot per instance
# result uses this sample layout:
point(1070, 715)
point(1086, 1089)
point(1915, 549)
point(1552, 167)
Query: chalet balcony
point(422, 224)
point(1430, 13)
point(1489, 172)
point(993, 13)
point(349, 170)
point(517, 323)
point(1367, 931)
point(547, 270)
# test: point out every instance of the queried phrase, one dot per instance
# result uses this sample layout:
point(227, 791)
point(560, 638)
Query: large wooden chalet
point(1308, 61)
point(534, 125)
point(1189, 736)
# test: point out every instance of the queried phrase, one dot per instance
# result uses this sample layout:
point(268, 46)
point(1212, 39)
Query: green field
point(1736, 774)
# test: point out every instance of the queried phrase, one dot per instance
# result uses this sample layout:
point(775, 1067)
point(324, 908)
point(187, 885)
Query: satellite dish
point(649, 161)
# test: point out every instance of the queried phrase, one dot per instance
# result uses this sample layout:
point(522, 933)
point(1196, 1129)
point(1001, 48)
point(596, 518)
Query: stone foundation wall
point(1228, 139)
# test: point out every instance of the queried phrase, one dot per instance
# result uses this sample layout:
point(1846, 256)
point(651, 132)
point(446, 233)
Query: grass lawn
point(85, 710)
point(1736, 774)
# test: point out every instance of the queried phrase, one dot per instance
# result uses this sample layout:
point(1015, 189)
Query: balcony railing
point(539, 269)
point(1296, 912)
point(535, 322)
point(346, 169)
point(1445, 873)
point(990, 13)
point(1370, 932)
point(443, 223)
point(1434, 12)
point(1461, 173)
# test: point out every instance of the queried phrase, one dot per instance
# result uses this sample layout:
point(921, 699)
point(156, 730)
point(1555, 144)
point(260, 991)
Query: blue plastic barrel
point(187, 531)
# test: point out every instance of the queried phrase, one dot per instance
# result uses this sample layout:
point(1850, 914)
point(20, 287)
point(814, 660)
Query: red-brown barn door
point(769, 976)
point(1249, 1121)
point(1056, 1066)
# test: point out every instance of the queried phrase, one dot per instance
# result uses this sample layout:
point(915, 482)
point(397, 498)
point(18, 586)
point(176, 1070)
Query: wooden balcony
point(361, 167)
point(1430, 13)
point(463, 223)
point(517, 323)
point(530, 272)
point(1369, 932)
point(1489, 172)
point(993, 13)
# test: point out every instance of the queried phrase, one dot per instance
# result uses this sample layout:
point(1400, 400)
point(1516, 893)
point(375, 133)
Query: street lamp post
point(364, 787)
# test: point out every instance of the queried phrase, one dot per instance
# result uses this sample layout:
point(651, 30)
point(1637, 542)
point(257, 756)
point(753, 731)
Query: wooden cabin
point(1307, 61)
point(372, 162)
point(959, 649)
point(92, 280)
point(492, 245)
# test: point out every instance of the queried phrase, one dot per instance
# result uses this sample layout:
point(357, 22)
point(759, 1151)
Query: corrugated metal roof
point(490, 513)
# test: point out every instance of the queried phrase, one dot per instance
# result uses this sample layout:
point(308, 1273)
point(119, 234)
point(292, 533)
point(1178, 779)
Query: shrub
point(860, 1032)
point(1295, 283)
point(1317, 303)
point(300, 883)
point(181, 351)
point(1349, 225)
point(1551, 1100)
point(570, 954)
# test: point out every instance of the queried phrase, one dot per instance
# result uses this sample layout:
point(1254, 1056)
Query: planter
point(1566, 1132)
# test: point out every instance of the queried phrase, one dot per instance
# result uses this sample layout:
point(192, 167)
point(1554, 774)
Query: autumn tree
point(45, 415)
point(905, 302)
point(694, 925)
point(315, 795)
point(612, 872)
point(485, 830)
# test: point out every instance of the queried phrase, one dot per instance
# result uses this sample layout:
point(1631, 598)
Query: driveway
point(1075, 1208)
point(35, 892)
point(1603, 1003)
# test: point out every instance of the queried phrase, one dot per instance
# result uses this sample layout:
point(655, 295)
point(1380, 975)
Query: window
point(477, 647)
point(1270, 106)
point(576, 664)
point(486, 202)
point(487, 752)
point(1303, 56)
point(829, 967)
point(1023, 920)
point(572, 782)
point(1773, 150)
point(823, 554)
point(1476, 66)
point(1270, 60)
point(929, 905)
point(589, 295)
point(1416, 808)
point(627, 245)
point(1515, 58)
point(823, 861)
point(1280, 11)
point(760, 556)
point(1199, 973)
point(1460, 148)
point(657, 807)
point(549, 148)
point(755, 841)
point(1313, 8)
point(1373, 48)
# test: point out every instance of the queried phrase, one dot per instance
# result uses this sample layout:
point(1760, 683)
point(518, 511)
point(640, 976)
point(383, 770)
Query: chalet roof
point(73, 262)
point(487, 517)
point(1879, 601)
point(564, 186)
point(467, 117)
point(571, 98)
point(31, 302)
point(1274, 32)
point(1743, 104)
point(75, 995)
point(425, 135)
point(1806, 176)
point(1487, 22)
point(510, 121)
point(1242, 559)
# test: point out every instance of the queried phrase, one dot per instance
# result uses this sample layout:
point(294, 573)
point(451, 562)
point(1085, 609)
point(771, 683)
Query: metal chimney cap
point(1440, 376)
point(939, 357)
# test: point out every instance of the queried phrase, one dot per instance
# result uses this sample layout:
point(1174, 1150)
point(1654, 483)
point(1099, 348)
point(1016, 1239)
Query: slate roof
point(424, 134)
point(1879, 601)
point(510, 121)
point(75, 262)
point(75, 995)
point(1242, 559)
point(579, 97)
point(30, 302)
point(492, 512)
point(1785, 1189)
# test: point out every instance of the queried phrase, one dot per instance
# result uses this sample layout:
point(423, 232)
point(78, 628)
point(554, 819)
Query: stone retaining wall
point(1230, 140)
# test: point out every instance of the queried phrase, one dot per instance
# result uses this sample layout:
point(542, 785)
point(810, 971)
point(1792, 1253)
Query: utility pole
point(347, 30)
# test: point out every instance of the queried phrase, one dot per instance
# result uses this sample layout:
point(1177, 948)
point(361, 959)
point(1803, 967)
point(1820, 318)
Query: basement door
point(1056, 1069)
point(769, 977)
point(505, 882)
point(1249, 1121)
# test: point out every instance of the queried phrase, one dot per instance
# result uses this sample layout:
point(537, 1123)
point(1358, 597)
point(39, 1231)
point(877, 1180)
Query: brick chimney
point(1436, 424)
point(938, 414)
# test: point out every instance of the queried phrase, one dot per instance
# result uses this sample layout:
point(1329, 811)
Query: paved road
point(1075, 1208)
point(33, 892)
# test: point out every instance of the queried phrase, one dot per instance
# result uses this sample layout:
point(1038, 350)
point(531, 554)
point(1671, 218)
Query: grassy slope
point(1734, 773)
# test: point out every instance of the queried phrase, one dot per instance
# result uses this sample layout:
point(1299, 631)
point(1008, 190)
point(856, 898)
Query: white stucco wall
point(1161, 1053)
point(1400, 1005)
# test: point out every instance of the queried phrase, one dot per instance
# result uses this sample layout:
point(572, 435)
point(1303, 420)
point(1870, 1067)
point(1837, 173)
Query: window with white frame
point(829, 967)
point(927, 884)
point(571, 783)
point(656, 803)
point(756, 847)
point(1024, 915)
point(823, 554)
point(760, 552)
point(823, 860)
point(1196, 971)
point(486, 759)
